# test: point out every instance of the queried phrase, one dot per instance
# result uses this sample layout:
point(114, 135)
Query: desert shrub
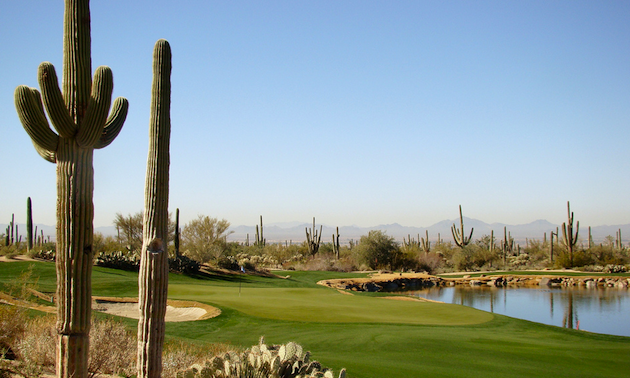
point(112, 348)
point(10, 251)
point(37, 346)
point(12, 327)
point(178, 355)
point(463, 260)
point(45, 252)
point(519, 261)
point(430, 262)
point(227, 262)
point(606, 254)
point(377, 250)
point(123, 260)
point(183, 264)
point(580, 258)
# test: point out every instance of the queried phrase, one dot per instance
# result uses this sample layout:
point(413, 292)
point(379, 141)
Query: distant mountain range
point(534, 230)
point(295, 232)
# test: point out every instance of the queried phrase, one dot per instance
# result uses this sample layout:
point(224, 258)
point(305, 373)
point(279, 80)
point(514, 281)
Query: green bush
point(377, 250)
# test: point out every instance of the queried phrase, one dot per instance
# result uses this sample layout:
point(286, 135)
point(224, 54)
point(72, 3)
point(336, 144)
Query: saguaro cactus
point(313, 239)
point(458, 235)
point(425, 243)
point(176, 237)
point(29, 225)
point(153, 278)
point(568, 238)
point(260, 240)
point(79, 113)
point(335, 244)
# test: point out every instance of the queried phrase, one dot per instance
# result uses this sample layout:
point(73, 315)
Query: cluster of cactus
point(458, 234)
point(262, 361)
point(421, 243)
point(313, 239)
point(260, 240)
point(411, 243)
point(618, 241)
point(569, 239)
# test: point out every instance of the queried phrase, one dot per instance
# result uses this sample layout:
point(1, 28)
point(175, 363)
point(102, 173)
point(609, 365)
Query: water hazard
point(601, 310)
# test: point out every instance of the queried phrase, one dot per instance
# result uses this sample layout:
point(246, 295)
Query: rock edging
point(376, 284)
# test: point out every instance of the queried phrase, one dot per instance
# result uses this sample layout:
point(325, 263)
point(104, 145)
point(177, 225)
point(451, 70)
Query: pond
point(601, 310)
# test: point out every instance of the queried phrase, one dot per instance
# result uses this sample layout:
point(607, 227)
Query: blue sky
point(355, 112)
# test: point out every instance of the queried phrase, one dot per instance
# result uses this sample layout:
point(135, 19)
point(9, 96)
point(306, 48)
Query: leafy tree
point(130, 230)
point(205, 239)
point(377, 250)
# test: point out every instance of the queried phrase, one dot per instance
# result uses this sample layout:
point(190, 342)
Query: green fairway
point(369, 335)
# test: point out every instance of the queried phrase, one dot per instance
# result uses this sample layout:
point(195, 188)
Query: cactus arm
point(47, 155)
point(100, 100)
point(114, 123)
point(53, 100)
point(29, 107)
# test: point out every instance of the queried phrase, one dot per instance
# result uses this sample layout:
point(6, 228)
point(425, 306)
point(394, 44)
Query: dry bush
point(112, 348)
point(178, 355)
point(12, 327)
point(37, 346)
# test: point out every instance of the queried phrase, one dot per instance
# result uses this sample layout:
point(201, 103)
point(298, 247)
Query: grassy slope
point(371, 336)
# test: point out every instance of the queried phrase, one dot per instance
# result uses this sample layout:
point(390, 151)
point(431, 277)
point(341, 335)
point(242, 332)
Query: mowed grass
point(369, 335)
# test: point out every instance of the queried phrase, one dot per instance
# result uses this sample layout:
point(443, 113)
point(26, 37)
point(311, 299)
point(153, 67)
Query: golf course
point(368, 334)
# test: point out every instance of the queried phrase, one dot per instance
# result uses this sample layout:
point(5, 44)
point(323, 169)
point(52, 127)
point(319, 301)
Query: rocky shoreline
point(393, 282)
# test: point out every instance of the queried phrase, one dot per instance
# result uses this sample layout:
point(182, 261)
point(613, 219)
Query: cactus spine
point(29, 225)
point(153, 277)
point(79, 113)
point(313, 239)
point(458, 235)
point(568, 238)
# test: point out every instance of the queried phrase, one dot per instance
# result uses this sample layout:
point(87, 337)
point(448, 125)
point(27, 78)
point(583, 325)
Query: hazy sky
point(356, 112)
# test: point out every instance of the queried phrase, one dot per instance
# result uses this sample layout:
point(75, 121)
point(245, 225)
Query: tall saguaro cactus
point(458, 234)
point(29, 225)
point(79, 113)
point(153, 278)
point(313, 239)
point(568, 238)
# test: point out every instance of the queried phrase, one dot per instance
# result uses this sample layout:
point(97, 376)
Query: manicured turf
point(369, 335)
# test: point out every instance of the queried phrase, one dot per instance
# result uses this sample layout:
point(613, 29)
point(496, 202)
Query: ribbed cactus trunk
point(153, 279)
point(78, 113)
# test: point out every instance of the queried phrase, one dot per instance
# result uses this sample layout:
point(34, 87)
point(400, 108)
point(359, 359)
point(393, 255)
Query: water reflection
point(601, 310)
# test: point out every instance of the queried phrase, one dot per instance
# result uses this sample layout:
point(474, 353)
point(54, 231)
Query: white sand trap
point(181, 312)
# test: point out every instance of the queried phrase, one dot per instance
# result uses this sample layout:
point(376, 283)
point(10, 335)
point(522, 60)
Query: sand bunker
point(176, 311)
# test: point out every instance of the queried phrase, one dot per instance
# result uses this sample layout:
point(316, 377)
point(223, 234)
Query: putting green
point(328, 306)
